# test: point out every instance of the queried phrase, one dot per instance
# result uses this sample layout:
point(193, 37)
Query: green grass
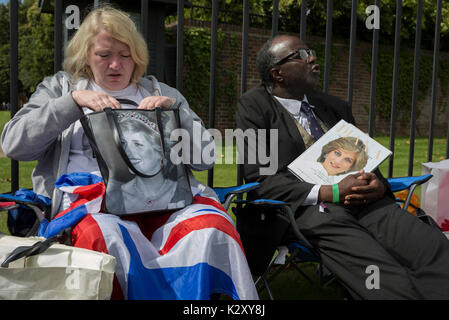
point(25, 168)
point(401, 153)
point(290, 284)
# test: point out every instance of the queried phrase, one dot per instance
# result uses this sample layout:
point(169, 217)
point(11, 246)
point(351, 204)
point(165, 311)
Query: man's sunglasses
point(304, 54)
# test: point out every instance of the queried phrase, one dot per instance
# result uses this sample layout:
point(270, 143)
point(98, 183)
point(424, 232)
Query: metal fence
point(58, 40)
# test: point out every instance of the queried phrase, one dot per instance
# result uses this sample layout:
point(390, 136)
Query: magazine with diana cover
point(341, 151)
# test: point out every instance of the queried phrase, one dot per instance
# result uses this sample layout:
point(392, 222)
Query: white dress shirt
point(294, 108)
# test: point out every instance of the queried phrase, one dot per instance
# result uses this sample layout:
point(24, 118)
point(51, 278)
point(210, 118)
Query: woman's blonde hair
point(120, 26)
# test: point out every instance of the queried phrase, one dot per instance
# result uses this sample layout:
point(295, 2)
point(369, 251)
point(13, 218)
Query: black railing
point(397, 44)
point(436, 56)
point(14, 79)
point(246, 15)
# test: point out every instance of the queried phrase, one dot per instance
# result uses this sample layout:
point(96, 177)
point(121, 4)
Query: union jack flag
point(187, 254)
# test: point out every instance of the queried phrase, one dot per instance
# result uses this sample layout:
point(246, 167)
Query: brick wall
point(225, 115)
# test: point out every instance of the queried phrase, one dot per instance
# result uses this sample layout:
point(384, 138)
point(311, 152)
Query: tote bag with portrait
point(132, 148)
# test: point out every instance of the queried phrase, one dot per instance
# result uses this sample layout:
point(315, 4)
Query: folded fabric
point(86, 192)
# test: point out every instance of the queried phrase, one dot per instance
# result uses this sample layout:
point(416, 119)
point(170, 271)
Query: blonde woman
point(106, 60)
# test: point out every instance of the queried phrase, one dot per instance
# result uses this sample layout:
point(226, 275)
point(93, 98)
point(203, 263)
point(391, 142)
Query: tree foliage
point(4, 53)
point(35, 47)
point(290, 13)
point(405, 87)
point(36, 29)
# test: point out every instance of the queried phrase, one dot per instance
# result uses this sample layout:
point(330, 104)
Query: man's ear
point(276, 75)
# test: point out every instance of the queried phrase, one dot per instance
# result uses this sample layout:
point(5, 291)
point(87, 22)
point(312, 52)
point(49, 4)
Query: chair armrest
point(227, 194)
point(402, 183)
point(410, 183)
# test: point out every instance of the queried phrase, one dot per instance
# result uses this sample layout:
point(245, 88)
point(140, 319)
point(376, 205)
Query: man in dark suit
point(362, 229)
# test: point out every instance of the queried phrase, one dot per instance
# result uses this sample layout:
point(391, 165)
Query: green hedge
point(197, 42)
point(405, 82)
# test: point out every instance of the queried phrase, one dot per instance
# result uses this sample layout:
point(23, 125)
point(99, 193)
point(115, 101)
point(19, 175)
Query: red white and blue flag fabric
point(188, 254)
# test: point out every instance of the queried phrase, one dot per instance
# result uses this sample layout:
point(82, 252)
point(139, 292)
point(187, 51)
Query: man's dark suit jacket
point(258, 109)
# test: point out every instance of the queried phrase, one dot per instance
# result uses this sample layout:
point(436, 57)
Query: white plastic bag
point(435, 192)
point(60, 272)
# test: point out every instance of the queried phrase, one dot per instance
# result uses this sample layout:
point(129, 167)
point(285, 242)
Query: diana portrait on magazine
point(342, 150)
point(343, 155)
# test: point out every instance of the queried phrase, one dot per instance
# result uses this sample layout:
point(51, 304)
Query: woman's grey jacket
point(42, 130)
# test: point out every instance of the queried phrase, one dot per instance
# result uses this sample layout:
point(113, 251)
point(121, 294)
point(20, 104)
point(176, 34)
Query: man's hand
point(345, 187)
point(372, 191)
point(94, 100)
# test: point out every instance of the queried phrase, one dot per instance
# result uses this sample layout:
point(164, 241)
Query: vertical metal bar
point(415, 87)
point(394, 94)
point(245, 29)
point(275, 19)
point(303, 25)
point(180, 46)
point(144, 20)
point(374, 58)
point(352, 44)
point(447, 141)
point(14, 78)
point(144, 24)
point(213, 51)
point(244, 45)
point(327, 65)
point(58, 36)
point(436, 53)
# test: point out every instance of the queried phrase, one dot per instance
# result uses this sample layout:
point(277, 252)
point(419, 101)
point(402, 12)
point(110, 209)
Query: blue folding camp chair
point(25, 211)
point(300, 250)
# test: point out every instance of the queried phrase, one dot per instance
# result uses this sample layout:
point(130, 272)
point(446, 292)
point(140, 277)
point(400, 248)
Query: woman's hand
point(152, 102)
point(94, 100)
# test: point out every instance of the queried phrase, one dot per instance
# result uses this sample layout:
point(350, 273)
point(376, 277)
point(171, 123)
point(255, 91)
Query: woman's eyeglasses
point(303, 54)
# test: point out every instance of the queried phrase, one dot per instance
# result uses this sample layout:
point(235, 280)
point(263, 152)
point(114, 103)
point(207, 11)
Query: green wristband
point(335, 193)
